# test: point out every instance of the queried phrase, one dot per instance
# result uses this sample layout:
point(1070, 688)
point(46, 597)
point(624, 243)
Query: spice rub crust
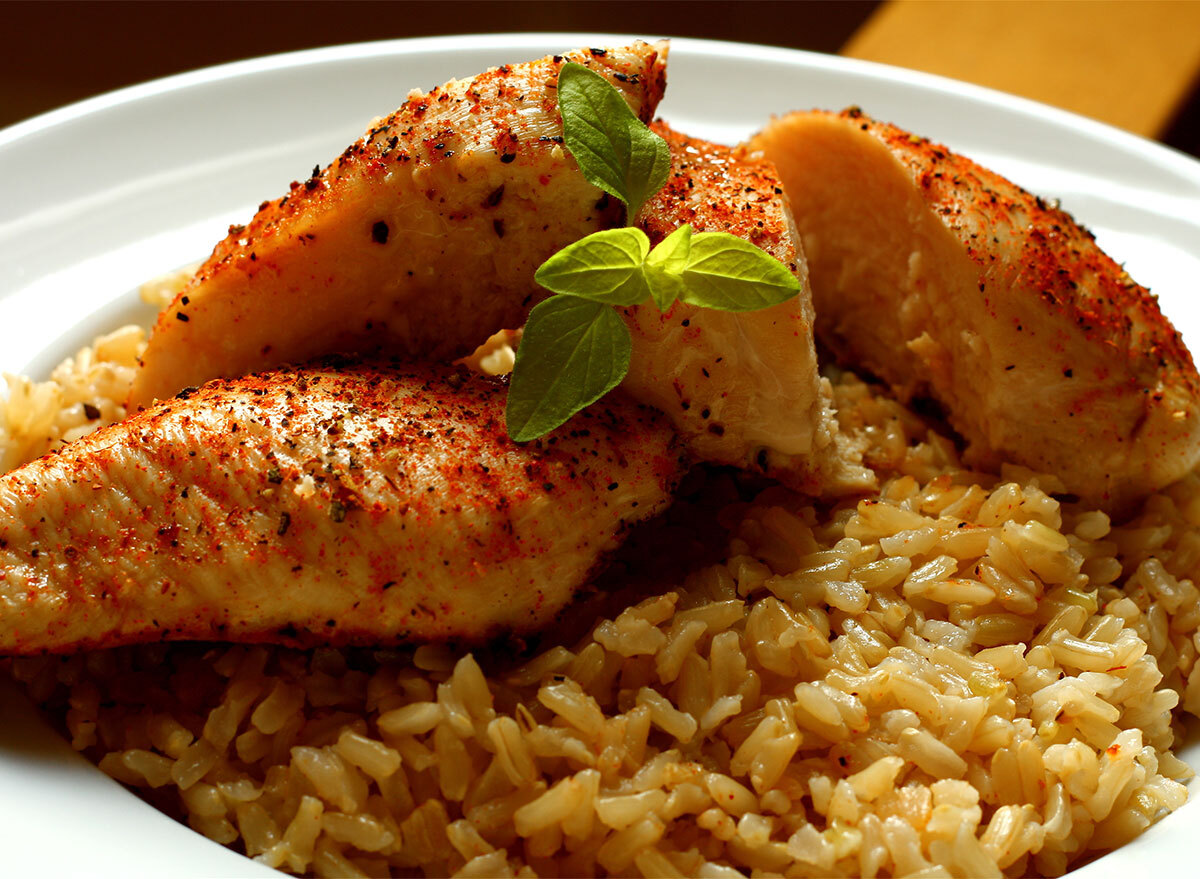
point(338, 504)
point(420, 239)
point(952, 283)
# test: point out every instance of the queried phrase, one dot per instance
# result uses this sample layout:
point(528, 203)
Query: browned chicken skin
point(421, 238)
point(947, 280)
point(334, 505)
point(742, 387)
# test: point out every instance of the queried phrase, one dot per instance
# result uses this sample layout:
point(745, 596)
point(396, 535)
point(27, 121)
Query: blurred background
point(1131, 63)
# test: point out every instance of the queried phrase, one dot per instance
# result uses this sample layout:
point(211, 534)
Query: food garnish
point(614, 149)
point(576, 348)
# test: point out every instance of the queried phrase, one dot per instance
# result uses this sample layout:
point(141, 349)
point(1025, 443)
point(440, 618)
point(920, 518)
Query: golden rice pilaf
point(961, 676)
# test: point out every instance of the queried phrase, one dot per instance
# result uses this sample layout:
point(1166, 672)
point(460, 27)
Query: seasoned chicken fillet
point(947, 280)
point(335, 504)
point(421, 237)
point(742, 387)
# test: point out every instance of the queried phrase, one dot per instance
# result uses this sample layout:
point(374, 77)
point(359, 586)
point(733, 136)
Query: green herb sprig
point(576, 347)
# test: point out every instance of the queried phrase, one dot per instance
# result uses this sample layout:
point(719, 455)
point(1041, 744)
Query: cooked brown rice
point(961, 676)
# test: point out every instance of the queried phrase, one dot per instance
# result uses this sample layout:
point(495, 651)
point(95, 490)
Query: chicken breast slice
point(947, 280)
point(742, 387)
point(423, 235)
point(335, 505)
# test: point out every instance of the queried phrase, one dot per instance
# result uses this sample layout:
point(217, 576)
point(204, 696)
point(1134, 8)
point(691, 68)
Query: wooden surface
point(1131, 64)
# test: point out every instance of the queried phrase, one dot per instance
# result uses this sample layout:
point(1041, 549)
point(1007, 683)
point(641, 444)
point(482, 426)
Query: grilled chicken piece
point(336, 504)
point(423, 236)
point(742, 387)
point(947, 280)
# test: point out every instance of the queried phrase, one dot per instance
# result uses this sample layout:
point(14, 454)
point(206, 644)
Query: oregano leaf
point(605, 267)
point(649, 166)
point(613, 148)
point(731, 274)
point(572, 353)
point(665, 264)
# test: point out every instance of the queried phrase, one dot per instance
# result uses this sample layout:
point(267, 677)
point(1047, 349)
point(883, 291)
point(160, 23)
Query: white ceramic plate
point(104, 194)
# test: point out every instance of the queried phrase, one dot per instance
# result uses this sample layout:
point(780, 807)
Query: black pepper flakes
point(285, 522)
point(380, 232)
